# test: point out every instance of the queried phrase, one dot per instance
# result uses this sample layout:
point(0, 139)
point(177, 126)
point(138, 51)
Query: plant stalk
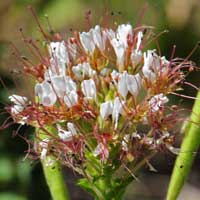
point(187, 153)
point(55, 180)
point(53, 173)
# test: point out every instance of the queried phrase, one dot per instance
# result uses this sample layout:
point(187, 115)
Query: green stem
point(55, 181)
point(53, 173)
point(186, 156)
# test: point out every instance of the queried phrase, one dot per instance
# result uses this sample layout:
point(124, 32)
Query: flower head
point(95, 90)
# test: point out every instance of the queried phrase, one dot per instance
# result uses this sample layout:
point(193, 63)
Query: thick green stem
point(186, 156)
point(53, 173)
point(55, 180)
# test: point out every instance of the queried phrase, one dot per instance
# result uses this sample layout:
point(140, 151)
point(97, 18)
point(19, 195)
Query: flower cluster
point(101, 94)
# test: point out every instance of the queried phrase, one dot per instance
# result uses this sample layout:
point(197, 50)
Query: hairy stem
point(55, 181)
point(186, 156)
point(53, 173)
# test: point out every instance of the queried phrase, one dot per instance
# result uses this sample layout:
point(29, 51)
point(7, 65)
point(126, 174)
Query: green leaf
point(85, 185)
point(186, 156)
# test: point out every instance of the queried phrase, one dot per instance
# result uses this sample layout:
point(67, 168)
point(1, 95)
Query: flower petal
point(18, 100)
point(97, 37)
point(71, 98)
point(133, 83)
point(122, 84)
point(45, 93)
point(87, 42)
point(123, 31)
point(71, 128)
point(157, 102)
point(106, 109)
point(117, 110)
point(89, 89)
point(119, 50)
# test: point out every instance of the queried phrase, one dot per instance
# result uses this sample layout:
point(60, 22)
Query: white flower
point(97, 38)
point(108, 34)
point(59, 52)
point(16, 109)
point(153, 64)
point(117, 110)
point(71, 128)
point(122, 84)
point(58, 60)
point(72, 48)
point(45, 93)
point(71, 98)
point(136, 57)
point(67, 135)
point(119, 42)
point(136, 54)
point(59, 85)
point(106, 109)
point(70, 85)
point(18, 100)
point(148, 61)
point(62, 87)
point(119, 49)
point(157, 102)
point(164, 61)
point(87, 42)
point(160, 64)
point(131, 83)
point(19, 103)
point(104, 71)
point(114, 76)
point(139, 40)
point(70, 94)
point(78, 71)
point(112, 108)
point(122, 33)
point(89, 89)
point(83, 69)
point(57, 67)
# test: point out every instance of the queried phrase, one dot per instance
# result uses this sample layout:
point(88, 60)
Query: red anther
point(191, 68)
point(26, 69)
point(76, 35)
point(106, 136)
point(129, 40)
point(73, 40)
point(82, 59)
point(57, 37)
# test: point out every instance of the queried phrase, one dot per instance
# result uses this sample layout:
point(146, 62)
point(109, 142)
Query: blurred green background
point(23, 179)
